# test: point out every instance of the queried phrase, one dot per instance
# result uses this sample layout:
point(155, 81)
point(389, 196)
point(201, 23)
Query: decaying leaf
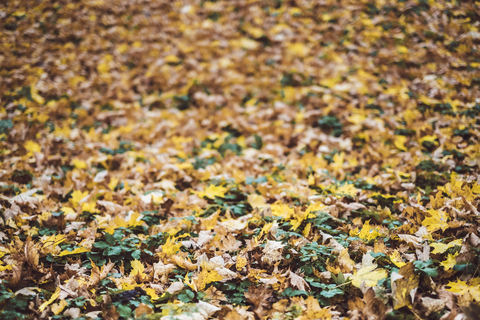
point(404, 285)
point(239, 159)
point(368, 273)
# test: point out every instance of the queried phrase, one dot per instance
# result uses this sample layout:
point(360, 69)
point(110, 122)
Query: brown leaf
point(230, 243)
point(426, 306)
point(298, 282)
point(258, 296)
point(16, 276)
point(98, 274)
point(402, 287)
point(31, 254)
point(110, 313)
point(375, 309)
point(143, 309)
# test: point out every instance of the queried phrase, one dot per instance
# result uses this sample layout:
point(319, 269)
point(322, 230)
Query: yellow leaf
point(357, 118)
point(54, 296)
point(459, 287)
point(306, 230)
point(58, 307)
point(210, 222)
point(205, 277)
point(348, 189)
point(338, 160)
point(428, 139)
point(404, 285)
point(240, 263)
point(137, 269)
point(441, 247)
point(172, 59)
point(368, 273)
point(438, 220)
point(103, 68)
point(368, 233)
point(77, 196)
point(298, 49)
point(253, 31)
point(32, 147)
point(75, 251)
point(289, 93)
point(411, 115)
point(282, 210)
point(314, 207)
point(5, 267)
point(257, 201)
point(314, 311)
point(189, 282)
point(400, 142)
point(396, 259)
point(152, 293)
point(248, 44)
point(79, 164)
point(450, 262)
point(170, 248)
point(311, 180)
point(135, 219)
point(90, 207)
point(113, 183)
point(122, 48)
point(346, 264)
point(213, 191)
point(36, 97)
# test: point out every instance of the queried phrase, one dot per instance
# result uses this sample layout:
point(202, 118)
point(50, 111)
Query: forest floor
point(240, 159)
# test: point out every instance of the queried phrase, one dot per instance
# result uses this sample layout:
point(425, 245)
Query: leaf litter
point(239, 159)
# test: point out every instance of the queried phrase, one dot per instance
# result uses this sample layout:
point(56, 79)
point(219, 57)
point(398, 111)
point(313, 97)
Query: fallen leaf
point(368, 273)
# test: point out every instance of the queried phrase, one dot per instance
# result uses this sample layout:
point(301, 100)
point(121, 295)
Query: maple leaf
point(161, 270)
point(271, 251)
point(437, 220)
point(138, 271)
point(261, 102)
point(78, 196)
point(346, 264)
point(240, 262)
point(257, 201)
point(397, 259)
point(450, 262)
point(314, 311)
point(213, 191)
point(400, 142)
point(282, 210)
point(407, 281)
point(298, 282)
point(368, 232)
point(210, 222)
point(472, 288)
point(170, 248)
point(57, 308)
point(368, 273)
point(32, 147)
point(74, 251)
point(205, 277)
point(98, 274)
point(442, 247)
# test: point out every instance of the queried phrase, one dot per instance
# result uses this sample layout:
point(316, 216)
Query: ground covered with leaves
point(240, 159)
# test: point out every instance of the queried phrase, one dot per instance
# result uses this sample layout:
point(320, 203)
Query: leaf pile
point(243, 159)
